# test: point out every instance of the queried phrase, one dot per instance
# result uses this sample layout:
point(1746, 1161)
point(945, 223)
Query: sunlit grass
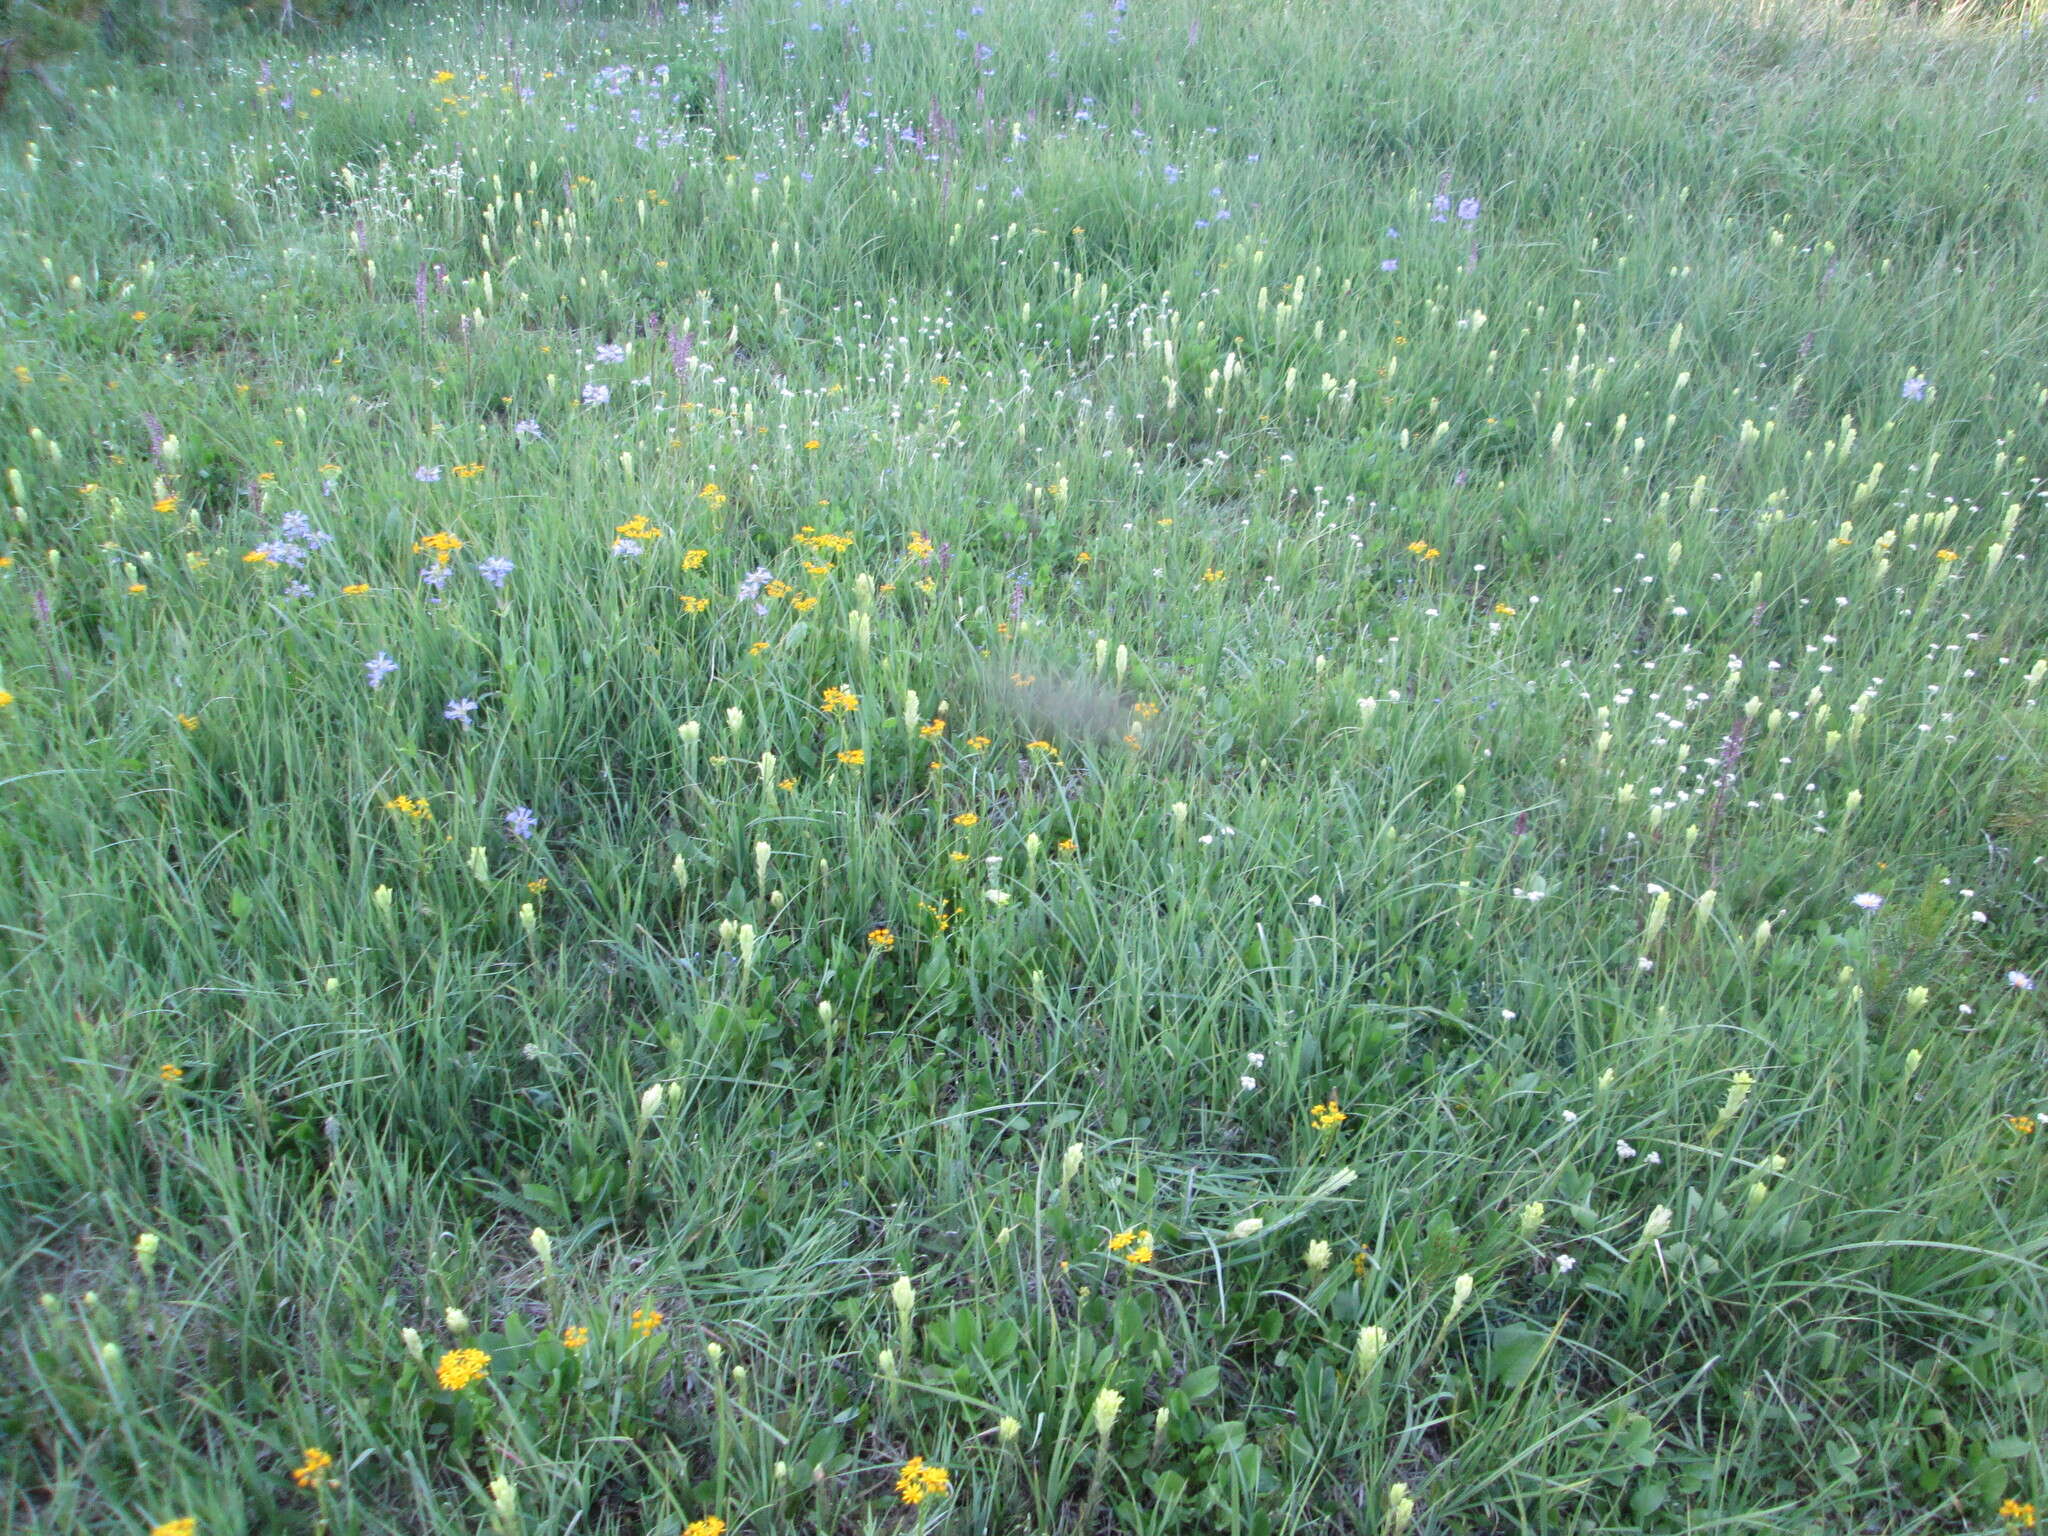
point(845, 768)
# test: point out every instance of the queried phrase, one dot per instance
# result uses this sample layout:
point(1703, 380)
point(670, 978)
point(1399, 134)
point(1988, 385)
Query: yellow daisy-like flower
point(693, 559)
point(165, 504)
point(442, 546)
point(190, 722)
point(1326, 1116)
point(853, 757)
point(170, 1072)
point(457, 1368)
point(932, 729)
point(575, 1337)
point(1134, 1244)
point(966, 819)
point(1944, 554)
point(710, 1525)
point(840, 701)
point(1212, 574)
point(919, 1480)
point(881, 938)
point(309, 1473)
point(646, 1320)
point(693, 604)
point(355, 589)
point(184, 1525)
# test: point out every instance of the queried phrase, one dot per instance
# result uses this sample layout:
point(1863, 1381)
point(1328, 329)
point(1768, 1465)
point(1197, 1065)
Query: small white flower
point(1248, 1084)
point(1256, 1058)
point(997, 898)
point(2020, 979)
point(1653, 1157)
point(1571, 1117)
point(1979, 917)
point(1624, 1151)
point(1565, 1263)
point(1315, 901)
point(1869, 901)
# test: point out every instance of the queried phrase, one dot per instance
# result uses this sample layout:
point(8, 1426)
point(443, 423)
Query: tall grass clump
point(1158, 768)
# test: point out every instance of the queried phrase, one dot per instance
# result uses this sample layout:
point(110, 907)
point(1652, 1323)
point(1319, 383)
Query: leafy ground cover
point(1165, 768)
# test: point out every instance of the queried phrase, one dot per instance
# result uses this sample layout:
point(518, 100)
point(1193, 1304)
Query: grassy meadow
point(830, 766)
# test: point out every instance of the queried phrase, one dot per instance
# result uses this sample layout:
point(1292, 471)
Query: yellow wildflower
point(457, 1368)
point(646, 1320)
point(308, 1473)
point(918, 1481)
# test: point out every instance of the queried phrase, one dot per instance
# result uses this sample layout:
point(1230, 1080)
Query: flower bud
point(1108, 1404)
point(1317, 1258)
point(543, 1246)
point(456, 1319)
point(145, 1251)
point(410, 1338)
point(1531, 1218)
point(1007, 1429)
point(1372, 1343)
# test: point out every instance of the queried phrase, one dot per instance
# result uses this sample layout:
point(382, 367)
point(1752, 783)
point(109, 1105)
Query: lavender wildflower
point(520, 822)
point(297, 589)
point(527, 428)
point(625, 549)
point(494, 570)
point(756, 579)
point(2019, 980)
point(427, 474)
point(379, 666)
point(1915, 388)
point(1390, 264)
point(1468, 209)
point(435, 576)
point(597, 394)
point(459, 710)
point(610, 352)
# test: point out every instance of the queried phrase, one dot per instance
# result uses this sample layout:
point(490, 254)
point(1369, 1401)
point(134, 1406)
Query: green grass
point(1472, 693)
